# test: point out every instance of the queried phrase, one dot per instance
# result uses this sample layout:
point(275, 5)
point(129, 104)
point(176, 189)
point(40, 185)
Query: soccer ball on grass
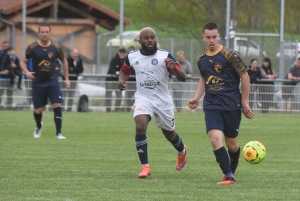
point(254, 152)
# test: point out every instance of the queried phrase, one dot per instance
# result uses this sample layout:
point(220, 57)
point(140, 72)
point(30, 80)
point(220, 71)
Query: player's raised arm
point(175, 69)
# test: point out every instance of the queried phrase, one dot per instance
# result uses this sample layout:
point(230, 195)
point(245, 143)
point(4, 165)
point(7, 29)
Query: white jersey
point(151, 76)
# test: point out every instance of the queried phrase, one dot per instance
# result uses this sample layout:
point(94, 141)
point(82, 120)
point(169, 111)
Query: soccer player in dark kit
point(44, 54)
point(221, 70)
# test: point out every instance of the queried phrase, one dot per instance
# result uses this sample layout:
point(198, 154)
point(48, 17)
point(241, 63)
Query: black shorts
point(41, 94)
point(226, 121)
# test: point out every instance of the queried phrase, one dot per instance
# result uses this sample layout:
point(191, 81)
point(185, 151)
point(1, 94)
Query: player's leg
point(39, 99)
point(55, 97)
point(141, 143)
point(214, 127)
point(232, 124)
point(165, 120)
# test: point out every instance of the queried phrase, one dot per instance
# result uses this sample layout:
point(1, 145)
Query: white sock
point(182, 152)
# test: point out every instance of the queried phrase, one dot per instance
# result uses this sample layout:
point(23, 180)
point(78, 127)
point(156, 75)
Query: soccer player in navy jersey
point(221, 70)
point(44, 54)
point(152, 67)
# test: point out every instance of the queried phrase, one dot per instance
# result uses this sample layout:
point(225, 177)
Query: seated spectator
point(287, 90)
point(266, 90)
point(255, 76)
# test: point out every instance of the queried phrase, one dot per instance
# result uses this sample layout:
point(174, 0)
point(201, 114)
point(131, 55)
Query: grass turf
point(98, 161)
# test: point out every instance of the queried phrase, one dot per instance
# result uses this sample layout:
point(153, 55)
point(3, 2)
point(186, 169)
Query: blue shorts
point(226, 121)
point(41, 94)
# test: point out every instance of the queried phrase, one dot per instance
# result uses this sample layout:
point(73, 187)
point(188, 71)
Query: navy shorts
point(226, 121)
point(41, 94)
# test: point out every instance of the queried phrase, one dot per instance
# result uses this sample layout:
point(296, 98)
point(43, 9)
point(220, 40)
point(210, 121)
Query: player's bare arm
point(245, 96)
point(193, 103)
point(123, 78)
point(23, 64)
point(66, 72)
point(179, 74)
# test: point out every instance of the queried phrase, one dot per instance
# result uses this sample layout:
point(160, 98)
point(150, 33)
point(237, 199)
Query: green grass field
point(98, 161)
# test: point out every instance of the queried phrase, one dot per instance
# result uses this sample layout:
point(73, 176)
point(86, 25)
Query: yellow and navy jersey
point(221, 73)
point(44, 59)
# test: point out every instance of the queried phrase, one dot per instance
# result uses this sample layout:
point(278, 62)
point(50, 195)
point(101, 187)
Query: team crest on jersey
point(154, 61)
point(218, 68)
point(50, 55)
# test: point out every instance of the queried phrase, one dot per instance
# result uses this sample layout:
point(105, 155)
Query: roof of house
point(9, 7)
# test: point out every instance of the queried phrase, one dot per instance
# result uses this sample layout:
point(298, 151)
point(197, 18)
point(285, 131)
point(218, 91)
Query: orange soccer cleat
point(181, 160)
point(145, 171)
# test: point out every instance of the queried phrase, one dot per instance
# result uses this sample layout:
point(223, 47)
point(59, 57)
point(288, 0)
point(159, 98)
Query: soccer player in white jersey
point(152, 66)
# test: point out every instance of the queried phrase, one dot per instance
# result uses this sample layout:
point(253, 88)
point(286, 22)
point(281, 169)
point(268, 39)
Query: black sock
point(223, 160)
point(234, 159)
point(57, 119)
point(177, 143)
point(141, 147)
point(38, 119)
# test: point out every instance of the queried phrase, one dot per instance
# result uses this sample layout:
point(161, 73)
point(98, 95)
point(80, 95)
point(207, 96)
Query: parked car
point(291, 50)
point(247, 48)
point(129, 41)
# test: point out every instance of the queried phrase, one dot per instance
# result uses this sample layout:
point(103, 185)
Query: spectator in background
point(287, 90)
point(267, 88)
point(255, 75)
point(75, 69)
point(177, 86)
point(14, 68)
point(112, 79)
point(4, 75)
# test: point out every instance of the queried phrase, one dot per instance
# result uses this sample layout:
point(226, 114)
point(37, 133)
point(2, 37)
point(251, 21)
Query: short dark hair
point(210, 26)
point(44, 25)
point(252, 60)
point(122, 50)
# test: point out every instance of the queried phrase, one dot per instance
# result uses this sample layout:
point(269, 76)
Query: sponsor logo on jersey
point(154, 61)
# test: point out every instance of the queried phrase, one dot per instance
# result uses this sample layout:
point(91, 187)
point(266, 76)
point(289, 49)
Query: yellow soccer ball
point(254, 152)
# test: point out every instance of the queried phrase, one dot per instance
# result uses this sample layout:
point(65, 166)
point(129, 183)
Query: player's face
point(148, 40)
point(44, 34)
point(211, 39)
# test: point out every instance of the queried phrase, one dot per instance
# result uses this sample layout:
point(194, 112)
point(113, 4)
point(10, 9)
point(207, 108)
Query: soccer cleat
point(60, 136)
point(224, 177)
point(38, 131)
point(227, 181)
point(145, 171)
point(181, 160)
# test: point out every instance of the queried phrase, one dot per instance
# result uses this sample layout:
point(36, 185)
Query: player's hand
point(122, 85)
point(29, 75)
point(68, 84)
point(193, 103)
point(170, 63)
point(247, 111)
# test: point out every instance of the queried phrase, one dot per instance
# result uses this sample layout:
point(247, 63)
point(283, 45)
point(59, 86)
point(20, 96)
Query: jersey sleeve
point(239, 66)
point(61, 54)
point(28, 51)
point(176, 64)
point(126, 68)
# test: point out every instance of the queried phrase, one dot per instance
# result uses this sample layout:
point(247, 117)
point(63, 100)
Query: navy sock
point(234, 159)
point(177, 143)
point(38, 119)
point(57, 119)
point(223, 160)
point(141, 147)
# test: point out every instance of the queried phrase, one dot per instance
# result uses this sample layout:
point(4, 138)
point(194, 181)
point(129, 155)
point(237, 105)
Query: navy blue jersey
point(44, 58)
point(221, 73)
